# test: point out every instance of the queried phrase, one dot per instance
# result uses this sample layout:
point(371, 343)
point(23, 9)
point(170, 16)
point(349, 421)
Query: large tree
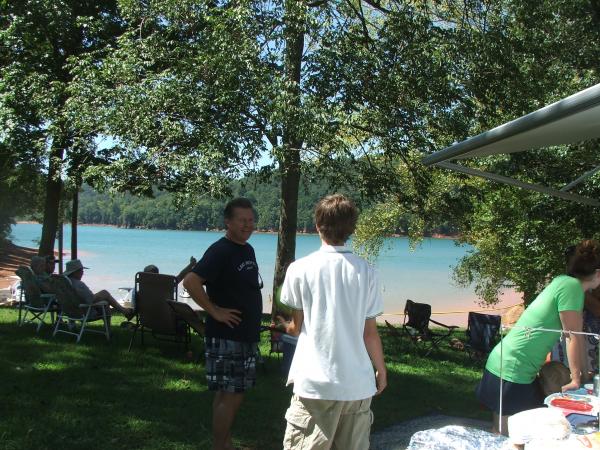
point(197, 92)
point(38, 41)
point(524, 56)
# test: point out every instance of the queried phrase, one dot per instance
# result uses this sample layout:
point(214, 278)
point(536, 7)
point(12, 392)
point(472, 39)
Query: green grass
point(97, 395)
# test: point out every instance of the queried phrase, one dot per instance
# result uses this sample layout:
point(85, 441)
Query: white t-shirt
point(337, 291)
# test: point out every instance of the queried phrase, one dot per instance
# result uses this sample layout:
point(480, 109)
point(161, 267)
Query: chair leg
point(23, 318)
point(21, 302)
point(37, 330)
point(135, 328)
point(106, 323)
point(58, 321)
point(80, 332)
point(43, 317)
point(187, 338)
point(83, 323)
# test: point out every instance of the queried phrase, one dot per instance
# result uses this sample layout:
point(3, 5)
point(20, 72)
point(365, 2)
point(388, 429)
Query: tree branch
point(377, 5)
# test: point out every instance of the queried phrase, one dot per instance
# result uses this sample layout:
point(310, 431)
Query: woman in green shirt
point(523, 351)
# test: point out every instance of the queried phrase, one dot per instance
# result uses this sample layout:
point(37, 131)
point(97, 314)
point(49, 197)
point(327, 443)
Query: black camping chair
point(184, 312)
point(483, 332)
point(153, 313)
point(417, 317)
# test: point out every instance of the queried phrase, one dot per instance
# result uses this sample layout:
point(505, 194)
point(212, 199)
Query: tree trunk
point(52, 202)
point(289, 161)
point(286, 238)
point(74, 214)
point(60, 247)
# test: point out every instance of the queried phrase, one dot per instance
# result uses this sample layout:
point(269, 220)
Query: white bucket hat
point(73, 266)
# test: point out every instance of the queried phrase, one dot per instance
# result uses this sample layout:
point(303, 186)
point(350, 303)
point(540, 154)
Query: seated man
point(38, 267)
point(74, 271)
point(50, 264)
point(153, 269)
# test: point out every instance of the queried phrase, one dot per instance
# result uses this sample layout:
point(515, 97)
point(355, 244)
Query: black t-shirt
point(232, 281)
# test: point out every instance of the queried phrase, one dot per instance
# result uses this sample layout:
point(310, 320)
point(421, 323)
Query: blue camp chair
point(483, 332)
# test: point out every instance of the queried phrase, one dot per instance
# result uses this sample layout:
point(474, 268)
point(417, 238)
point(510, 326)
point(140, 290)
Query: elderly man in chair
point(74, 272)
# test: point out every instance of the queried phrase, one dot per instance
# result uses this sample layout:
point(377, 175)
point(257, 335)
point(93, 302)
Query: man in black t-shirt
point(233, 302)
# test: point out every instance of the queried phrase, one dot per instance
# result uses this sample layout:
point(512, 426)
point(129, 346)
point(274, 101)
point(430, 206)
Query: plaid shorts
point(230, 365)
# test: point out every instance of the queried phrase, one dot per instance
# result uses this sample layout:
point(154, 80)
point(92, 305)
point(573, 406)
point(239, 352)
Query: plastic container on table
point(574, 403)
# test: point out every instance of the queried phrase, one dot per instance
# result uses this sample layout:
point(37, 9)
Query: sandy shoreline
point(11, 257)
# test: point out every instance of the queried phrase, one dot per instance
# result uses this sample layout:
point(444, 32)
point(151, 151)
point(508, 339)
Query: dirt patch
point(11, 257)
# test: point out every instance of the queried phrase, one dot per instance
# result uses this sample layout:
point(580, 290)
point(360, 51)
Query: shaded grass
point(97, 395)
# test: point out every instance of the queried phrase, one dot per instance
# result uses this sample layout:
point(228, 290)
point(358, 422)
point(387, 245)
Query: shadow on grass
point(97, 395)
point(58, 395)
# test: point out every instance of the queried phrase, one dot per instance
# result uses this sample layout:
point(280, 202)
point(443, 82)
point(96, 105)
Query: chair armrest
point(90, 305)
point(450, 327)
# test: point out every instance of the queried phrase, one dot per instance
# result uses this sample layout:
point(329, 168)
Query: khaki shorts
point(327, 424)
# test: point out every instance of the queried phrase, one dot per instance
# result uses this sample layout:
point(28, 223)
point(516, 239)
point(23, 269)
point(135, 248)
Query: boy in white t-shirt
point(335, 297)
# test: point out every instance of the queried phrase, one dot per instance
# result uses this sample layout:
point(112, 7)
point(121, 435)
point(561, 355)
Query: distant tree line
point(166, 211)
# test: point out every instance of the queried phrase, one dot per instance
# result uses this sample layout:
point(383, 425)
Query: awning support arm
point(517, 183)
point(583, 177)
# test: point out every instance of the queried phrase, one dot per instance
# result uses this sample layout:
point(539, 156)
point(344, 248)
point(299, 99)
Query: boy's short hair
point(239, 202)
point(553, 375)
point(335, 217)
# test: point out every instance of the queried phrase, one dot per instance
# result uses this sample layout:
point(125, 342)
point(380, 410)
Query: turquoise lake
point(114, 255)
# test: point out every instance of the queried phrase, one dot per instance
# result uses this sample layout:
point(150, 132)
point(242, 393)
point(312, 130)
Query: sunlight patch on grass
point(50, 366)
point(181, 384)
point(137, 424)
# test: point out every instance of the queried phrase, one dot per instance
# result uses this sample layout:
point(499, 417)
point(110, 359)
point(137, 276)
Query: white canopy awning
point(573, 119)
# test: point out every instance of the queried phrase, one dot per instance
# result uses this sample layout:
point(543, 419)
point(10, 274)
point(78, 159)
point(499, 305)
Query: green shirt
point(524, 351)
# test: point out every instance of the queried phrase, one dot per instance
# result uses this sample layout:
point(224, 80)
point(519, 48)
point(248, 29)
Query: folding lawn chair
point(417, 317)
point(73, 310)
point(483, 332)
point(153, 313)
point(184, 312)
point(32, 301)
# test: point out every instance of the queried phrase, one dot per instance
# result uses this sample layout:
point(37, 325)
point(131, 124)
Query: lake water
point(114, 255)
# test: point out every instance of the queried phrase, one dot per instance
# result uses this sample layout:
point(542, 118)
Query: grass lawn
point(97, 395)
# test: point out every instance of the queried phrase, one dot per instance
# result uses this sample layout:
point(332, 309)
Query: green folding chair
point(72, 311)
point(33, 302)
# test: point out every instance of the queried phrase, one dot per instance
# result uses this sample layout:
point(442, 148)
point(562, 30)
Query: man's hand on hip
point(228, 316)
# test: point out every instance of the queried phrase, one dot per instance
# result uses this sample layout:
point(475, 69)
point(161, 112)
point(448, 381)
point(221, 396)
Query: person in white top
point(335, 297)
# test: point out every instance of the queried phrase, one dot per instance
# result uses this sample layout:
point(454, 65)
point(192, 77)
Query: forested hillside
point(165, 212)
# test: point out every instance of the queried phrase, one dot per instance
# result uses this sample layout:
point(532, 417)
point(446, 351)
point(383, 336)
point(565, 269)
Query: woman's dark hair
point(239, 202)
point(584, 259)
